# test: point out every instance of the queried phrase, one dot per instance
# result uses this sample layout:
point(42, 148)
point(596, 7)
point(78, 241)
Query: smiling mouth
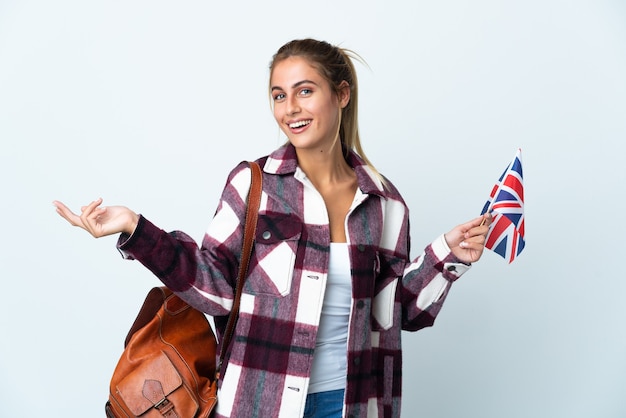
point(299, 124)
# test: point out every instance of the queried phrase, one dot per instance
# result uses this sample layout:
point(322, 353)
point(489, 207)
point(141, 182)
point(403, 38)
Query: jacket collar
point(285, 161)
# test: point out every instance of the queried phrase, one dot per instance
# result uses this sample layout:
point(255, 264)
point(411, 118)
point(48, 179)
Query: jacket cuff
point(125, 242)
point(452, 267)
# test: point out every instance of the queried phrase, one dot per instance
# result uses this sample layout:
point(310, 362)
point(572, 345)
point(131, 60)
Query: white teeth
point(299, 124)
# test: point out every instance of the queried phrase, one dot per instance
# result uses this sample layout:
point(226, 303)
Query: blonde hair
point(335, 65)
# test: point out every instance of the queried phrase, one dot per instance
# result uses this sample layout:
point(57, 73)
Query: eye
point(279, 96)
point(306, 92)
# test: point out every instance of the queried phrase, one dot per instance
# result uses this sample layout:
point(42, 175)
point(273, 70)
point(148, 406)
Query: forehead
point(293, 70)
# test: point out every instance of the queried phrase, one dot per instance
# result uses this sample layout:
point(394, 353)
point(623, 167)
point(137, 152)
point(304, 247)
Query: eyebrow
point(298, 84)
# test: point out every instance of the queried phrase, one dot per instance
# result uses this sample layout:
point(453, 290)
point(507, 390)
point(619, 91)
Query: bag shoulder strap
point(252, 212)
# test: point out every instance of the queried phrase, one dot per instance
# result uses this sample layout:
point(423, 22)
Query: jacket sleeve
point(426, 282)
point(202, 276)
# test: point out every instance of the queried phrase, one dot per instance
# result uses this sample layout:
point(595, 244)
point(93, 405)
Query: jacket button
point(357, 361)
point(451, 268)
point(360, 304)
point(266, 235)
point(361, 247)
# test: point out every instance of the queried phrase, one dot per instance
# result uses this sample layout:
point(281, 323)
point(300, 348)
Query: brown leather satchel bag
point(168, 365)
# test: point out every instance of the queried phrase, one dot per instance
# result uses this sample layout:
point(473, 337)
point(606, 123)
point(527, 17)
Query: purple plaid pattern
point(270, 357)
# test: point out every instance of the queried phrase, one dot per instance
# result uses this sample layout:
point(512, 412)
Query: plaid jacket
point(270, 359)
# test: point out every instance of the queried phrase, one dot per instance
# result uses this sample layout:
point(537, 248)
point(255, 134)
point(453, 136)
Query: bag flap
point(157, 375)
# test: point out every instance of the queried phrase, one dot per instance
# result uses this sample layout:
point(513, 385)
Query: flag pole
point(494, 196)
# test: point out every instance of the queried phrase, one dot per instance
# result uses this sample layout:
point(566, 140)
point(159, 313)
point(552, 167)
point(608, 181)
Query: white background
point(151, 103)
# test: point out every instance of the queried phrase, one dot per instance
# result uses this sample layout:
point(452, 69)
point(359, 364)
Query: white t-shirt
point(330, 357)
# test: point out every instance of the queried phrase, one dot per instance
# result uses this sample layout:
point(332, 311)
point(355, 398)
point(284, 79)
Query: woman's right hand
point(100, 221)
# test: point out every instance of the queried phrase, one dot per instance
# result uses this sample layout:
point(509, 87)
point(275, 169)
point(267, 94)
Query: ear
point(344, 94)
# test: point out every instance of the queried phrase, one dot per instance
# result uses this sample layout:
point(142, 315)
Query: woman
point(330, 285)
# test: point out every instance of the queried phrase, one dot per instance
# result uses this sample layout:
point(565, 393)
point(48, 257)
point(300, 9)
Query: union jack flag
point(506, 202)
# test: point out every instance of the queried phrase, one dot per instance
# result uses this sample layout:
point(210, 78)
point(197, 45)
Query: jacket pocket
point(276, 246)
point(389, 271)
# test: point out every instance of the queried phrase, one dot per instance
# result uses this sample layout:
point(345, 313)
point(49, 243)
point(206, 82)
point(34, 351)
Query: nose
point(292, 106)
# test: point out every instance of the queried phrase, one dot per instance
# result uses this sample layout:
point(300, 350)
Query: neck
point(324, 166)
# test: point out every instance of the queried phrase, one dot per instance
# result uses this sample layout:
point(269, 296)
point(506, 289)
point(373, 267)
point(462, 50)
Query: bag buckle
point(166, 408)
point(152, 390)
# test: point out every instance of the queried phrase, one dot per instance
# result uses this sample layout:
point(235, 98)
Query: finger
point(93, 223)
point(88, 216)
point(61, 207)
point(86, 210)
point(478, 231)
point(472, 249)
point(476, 222)
point(466, 245)
point(66, 213)
point(483, 227)
point(474, 242)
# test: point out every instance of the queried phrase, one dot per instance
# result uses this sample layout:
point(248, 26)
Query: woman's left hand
point(467, 241)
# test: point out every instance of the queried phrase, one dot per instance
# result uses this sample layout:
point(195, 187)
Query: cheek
point(278, 117)
point(331, 113)
point(277, 114)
